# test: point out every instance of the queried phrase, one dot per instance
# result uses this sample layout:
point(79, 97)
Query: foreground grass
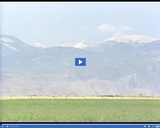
point(79, 110)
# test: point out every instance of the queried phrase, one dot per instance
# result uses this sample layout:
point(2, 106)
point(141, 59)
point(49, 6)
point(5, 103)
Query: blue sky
point(55, 23)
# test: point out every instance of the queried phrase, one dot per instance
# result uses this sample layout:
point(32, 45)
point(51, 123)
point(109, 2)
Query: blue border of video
point(80, 125)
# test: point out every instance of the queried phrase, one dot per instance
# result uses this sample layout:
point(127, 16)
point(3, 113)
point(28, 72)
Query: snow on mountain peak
point(35, 44)
point(9, 46)
point(131, 39)
point(6, 40)
point(65, 45)
point(81, 45)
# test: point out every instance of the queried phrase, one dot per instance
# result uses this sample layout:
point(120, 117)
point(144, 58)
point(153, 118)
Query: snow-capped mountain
point(12, 45)
point(113, 67)
point(130, 39)
point(81, 45)
point(11, 41)
point(36, 44)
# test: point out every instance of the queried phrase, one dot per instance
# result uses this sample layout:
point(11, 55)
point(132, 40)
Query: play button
point(80, 61)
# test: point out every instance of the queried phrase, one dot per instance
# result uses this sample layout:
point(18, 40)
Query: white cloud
point(114, 30)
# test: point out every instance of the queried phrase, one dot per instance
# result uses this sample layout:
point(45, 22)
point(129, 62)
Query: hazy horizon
point(55, 23)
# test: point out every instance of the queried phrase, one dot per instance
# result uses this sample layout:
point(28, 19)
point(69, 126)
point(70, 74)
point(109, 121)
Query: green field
point(80, 110)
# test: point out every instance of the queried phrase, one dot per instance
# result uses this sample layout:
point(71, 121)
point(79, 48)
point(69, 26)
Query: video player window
point(80, 61)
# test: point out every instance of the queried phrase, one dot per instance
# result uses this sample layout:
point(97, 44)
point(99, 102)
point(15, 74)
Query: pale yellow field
point(78, 97)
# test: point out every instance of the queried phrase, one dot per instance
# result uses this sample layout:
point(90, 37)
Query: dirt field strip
point(76, 97)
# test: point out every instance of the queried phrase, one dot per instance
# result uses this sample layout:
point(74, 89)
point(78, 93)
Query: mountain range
point(122, 65)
